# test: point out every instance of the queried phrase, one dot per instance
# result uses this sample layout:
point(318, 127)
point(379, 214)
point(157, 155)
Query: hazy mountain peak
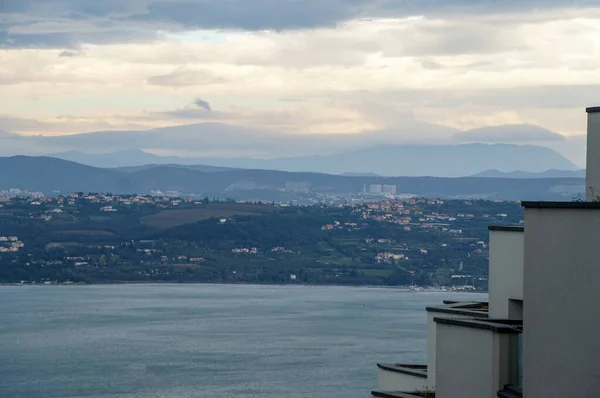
point(386, 160)
point(552, 173)
point(48, 175)
point(510, 133)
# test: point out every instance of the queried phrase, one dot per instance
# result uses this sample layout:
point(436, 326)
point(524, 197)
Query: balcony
point(393, 378)
point(477, 357)
point(401, 377)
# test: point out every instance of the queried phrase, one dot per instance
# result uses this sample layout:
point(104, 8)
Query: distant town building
point(375, 189)
point(389, 189)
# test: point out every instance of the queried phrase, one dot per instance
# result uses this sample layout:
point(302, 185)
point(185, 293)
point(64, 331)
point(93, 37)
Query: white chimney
point(592, 176)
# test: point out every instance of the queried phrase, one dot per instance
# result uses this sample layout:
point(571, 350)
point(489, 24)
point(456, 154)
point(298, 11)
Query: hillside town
point(148, 237)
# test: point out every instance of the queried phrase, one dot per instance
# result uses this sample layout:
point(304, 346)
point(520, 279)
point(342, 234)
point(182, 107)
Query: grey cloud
point(67, 7)
point(191, 114)
point(544, 97)
point(20, 124)
point(431, 64)
point(14, 6)
point(200, 103)
point(147, 16)
point(186, 77)
point(522, 133)
point(293, 14)
point(291, 99)
point(69, 54)
point(539, 97)
point(73, 40)
point(454, 37)
point(38, 40)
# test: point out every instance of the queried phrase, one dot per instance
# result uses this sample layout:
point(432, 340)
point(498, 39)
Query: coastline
point(117, 283)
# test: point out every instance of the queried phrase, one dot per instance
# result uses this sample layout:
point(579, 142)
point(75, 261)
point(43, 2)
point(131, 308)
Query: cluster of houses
point(413, 213)
point(252, 250)
point(19, 193)
point(389, 258)
point(10, 244)
point(339, 225)
point(192, 260)
point(108, 202)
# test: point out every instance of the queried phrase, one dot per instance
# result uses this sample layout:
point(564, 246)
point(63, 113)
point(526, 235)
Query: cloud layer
point(418, 70)
point(71, 21)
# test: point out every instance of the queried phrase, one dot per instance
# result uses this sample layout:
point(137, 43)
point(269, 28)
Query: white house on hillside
point(537, 337)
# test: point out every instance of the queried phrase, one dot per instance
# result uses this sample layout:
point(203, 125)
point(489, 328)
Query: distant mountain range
point(442, 151)
point(206, 169)
point(527, 175)
point(390, 160)
point(48, 175)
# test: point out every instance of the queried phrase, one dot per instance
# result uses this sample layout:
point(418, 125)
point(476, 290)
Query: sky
point(416, 70)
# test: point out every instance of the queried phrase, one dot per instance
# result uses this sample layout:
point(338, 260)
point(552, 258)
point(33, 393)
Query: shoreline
point(117, 283)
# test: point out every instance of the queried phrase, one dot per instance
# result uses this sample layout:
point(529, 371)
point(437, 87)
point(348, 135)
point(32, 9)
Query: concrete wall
point(561, 338)
point(515, 309)
point(394, 381)
point(593, 158)
point(471, 363)
point(431, 347)
point(432, 342)
point(506, 271)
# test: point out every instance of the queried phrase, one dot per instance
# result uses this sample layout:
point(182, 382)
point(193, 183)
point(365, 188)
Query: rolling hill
point(388, 160)
point(47, 175)
point(524, 174)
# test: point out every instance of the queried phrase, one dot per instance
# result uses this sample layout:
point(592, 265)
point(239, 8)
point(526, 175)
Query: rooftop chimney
point(592, 177)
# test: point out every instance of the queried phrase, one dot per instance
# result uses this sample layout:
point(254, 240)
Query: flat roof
point(508, 228)
point(561, 205)
point(494, 325)
point(472, 308)
point(391, 394)
point(593, 109)
point(413, 370)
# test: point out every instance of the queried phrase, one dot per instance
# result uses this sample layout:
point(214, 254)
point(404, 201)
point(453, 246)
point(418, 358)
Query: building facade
point(536, 337)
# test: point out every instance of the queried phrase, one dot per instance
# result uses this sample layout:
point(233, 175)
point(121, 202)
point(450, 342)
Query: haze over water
point(215, 341)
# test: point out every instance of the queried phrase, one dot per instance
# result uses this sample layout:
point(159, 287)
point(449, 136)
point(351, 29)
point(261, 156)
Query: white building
point(537, 337)
point(389, 189)
point(375, 189)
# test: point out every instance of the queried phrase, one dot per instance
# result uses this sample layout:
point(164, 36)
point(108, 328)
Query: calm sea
point(144, 341)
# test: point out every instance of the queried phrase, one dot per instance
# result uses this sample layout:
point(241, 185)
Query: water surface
point(221, 341)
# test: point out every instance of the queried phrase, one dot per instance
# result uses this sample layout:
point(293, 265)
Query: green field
point(384, 273)
point(173, 218)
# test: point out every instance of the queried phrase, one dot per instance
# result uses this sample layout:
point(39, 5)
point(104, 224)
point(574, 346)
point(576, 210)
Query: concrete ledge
point(506, 228)
point(463, 309)
point(496, 326)
point(561, 205)
point(510, 391)
point(393, 394)
point(412, 370)
point(593, 109)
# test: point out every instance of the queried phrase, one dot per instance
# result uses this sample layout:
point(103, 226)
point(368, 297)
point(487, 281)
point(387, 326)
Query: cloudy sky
point(419, 70)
